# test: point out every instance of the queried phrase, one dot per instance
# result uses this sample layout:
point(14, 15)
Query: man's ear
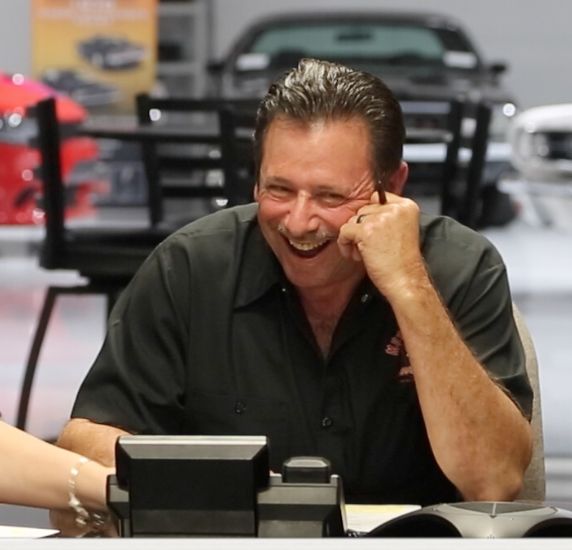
point(397, 180)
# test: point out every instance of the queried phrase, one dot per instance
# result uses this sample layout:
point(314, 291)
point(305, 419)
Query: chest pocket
point(215, 414)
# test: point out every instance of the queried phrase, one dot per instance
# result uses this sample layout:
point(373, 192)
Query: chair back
point(101, 250)
point(53, 198)
point(534, 487)
point(430, 123)
point(470, 208)
point(214, 165)
point(451, 163)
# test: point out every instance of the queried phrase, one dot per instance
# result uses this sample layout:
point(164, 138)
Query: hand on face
point(385, 237)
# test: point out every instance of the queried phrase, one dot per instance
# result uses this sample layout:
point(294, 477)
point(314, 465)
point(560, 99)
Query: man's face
point(313, 178)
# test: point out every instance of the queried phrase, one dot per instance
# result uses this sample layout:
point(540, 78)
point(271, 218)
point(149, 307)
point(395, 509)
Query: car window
point(379, 42)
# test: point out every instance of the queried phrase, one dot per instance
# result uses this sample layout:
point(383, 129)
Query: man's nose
point(301, 218)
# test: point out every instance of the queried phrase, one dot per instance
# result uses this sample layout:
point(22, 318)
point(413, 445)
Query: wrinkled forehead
point(287, 122)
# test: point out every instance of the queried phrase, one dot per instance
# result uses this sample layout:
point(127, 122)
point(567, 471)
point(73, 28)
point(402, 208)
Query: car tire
point(497, 208)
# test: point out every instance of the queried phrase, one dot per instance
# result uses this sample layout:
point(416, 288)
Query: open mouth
point(307, 249)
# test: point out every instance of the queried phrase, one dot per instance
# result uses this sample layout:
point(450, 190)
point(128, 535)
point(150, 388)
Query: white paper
point(365, 517)
point(9, 532)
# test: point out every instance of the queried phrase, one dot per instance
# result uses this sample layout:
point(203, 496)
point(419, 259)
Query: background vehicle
point(20, 187)
point(541, 140)
point(82, 89)
point(541, 147)
point(425, 59)
point(110, 52)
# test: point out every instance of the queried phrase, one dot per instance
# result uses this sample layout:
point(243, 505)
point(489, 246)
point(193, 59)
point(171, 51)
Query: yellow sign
point(100, 52)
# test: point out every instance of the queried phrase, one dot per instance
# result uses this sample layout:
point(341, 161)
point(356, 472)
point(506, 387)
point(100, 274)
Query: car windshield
point(378, 43)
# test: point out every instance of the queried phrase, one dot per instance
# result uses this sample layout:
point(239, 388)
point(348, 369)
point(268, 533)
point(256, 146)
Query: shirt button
point(364, 298)
point(327, 422)
point(239, 407)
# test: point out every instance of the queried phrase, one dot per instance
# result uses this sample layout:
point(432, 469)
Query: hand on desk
point(65, 522)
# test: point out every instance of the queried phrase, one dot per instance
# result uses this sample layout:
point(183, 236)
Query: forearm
point(35, 473)
point(95, 441)
point(480, 439)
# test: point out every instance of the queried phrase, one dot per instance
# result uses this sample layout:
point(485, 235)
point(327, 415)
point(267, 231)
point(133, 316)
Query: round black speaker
point(480, 520)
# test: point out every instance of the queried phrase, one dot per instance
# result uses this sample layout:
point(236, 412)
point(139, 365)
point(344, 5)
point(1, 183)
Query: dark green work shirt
point(209, 338)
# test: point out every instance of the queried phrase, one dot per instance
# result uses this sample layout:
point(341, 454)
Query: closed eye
point(278, 191)
point(331, 199)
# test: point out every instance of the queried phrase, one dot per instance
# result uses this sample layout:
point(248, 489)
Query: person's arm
point(35, 473)
point(479, 437)
point(138, 377)
point(95, 441)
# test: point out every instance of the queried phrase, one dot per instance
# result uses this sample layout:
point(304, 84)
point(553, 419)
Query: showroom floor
point(537, 250)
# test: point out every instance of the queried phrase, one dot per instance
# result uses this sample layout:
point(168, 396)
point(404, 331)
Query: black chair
point(449, 178)
point(430, 123)
point(214, 167)
point(470, 208)
point(458, 183)
point(109, 256)
point(106, 257)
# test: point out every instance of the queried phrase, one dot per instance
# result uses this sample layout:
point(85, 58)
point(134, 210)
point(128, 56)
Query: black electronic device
point(480, 520)
point(220, 486)
point(187, 485)
point(305, 501)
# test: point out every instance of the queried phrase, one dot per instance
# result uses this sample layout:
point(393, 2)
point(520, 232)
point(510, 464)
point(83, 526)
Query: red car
point(20, 187)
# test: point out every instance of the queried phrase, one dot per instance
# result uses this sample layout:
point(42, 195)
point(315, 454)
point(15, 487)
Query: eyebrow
point(276, 179)
point(320, 188)
point(328, 189)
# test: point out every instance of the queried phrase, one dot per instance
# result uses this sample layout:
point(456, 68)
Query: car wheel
point(497, 208)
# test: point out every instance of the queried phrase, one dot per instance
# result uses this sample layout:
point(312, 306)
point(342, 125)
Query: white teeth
point(305, 247)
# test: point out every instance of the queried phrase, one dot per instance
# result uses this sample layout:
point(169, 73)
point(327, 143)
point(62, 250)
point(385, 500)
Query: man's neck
point(324, 307)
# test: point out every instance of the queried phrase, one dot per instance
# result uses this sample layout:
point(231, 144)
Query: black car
point(426, 59)
point(81, 88)
point(111, 52)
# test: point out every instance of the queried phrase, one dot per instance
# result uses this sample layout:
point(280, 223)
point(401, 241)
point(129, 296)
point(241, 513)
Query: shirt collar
point(259, 269)
point(260, 272)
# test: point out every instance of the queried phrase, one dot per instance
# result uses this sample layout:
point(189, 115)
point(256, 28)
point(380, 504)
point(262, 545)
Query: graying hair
point(319, 90)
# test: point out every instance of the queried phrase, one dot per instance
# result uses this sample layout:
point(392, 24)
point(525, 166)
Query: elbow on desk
point(500, 489)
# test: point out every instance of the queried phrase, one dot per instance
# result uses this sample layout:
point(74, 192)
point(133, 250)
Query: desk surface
point(288, 544)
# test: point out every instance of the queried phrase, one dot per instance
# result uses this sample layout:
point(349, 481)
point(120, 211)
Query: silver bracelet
point(83, 518)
